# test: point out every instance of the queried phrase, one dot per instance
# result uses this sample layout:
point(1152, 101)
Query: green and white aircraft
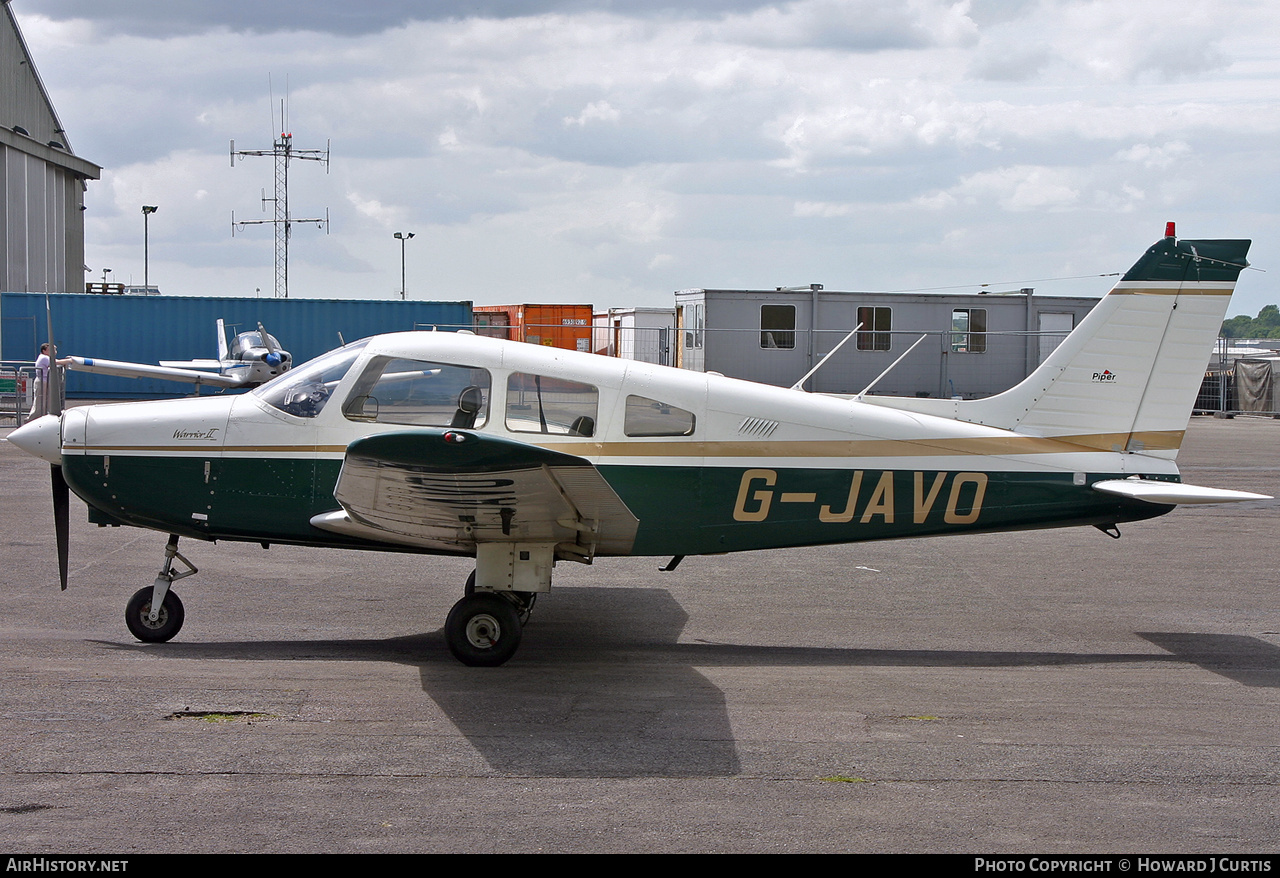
point(524, 456)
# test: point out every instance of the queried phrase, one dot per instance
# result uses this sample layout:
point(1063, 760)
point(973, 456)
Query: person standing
point(40, 400)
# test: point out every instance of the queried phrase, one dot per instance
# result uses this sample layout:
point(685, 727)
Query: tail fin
point(1126, 378)
point(222, 340)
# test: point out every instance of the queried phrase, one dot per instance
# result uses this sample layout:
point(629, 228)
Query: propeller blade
point(61, 519)
point(267, 341)
point(54, 388)
point(61, 494)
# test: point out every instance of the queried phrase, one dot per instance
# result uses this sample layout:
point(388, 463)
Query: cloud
point(1159, 157)
point(856, 25)
point(615, 152)
point(596, 111)
point(1017, 188)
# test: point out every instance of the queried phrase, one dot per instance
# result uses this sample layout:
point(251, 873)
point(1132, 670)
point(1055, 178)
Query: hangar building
point(42, 226)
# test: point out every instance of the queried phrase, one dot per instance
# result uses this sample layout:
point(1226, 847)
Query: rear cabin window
point(557, 406)
point(649, 417)
point(423, 393)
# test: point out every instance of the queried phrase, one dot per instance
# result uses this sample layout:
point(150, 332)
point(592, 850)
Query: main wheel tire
point(138, 611)
point(483, 630)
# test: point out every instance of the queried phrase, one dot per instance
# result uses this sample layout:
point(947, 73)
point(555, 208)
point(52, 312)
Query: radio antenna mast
point(284, 151)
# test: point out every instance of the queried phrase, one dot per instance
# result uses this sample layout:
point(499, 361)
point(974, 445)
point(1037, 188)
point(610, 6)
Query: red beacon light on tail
point(1169, 231)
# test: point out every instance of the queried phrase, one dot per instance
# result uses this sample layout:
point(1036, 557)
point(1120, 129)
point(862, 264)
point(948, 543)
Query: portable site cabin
point(644, 334)
point(975, 344)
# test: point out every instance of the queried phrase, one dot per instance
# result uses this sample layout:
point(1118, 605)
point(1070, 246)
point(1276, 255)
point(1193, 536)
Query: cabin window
point(969, 331)
point(877, 327)
point(558, 406)
point(649, 417)
point(303, 392)
point(778, 326)
point(394, 390)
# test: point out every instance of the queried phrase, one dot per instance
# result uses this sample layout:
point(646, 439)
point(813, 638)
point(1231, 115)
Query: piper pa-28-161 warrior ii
point(253, 358)
point(524, 456)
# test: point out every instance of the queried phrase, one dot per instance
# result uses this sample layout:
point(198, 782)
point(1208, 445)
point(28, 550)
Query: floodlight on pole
point(402, 236)
point(147, 210)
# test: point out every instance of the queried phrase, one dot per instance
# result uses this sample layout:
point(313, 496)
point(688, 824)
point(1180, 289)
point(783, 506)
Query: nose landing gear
point(154, 614)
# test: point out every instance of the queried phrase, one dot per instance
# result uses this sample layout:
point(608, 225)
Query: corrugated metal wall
point(147, 329)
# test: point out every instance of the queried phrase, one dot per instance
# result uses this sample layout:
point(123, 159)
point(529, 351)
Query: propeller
point(273, 357)
point(61, 494)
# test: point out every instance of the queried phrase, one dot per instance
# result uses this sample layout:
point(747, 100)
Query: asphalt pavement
point(1050, 691)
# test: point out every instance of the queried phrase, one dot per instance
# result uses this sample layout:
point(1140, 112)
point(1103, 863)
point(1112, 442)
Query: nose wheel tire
point(137, 616)
point(483, 630)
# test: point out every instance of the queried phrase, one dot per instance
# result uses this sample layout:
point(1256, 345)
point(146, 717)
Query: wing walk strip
point(983, 445)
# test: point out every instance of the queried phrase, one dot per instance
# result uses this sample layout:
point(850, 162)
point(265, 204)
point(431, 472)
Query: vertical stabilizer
point(222, 341)
point(1126, 378)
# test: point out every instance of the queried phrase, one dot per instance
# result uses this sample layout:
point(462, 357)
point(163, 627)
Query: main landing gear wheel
point(483, 630)
point(137, 615)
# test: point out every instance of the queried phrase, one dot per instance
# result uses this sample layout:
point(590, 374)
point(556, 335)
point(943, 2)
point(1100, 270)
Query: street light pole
point(147, 210)
point(403, 236)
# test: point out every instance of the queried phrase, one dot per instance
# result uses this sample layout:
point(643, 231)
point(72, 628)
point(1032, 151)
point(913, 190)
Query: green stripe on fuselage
point(682, 510)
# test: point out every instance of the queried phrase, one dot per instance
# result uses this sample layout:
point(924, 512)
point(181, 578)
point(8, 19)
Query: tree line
point(1265, 325)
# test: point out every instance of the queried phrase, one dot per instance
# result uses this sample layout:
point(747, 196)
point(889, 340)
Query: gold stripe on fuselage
point(1155, 440)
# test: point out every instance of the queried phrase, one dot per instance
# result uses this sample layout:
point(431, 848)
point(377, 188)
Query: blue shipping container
point(148, 329)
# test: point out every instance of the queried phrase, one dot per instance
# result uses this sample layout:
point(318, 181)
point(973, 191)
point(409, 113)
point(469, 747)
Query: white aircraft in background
point(254, 357)
point(524, 456)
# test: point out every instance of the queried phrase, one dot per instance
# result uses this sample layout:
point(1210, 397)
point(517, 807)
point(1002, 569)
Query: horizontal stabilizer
point(1172, 493)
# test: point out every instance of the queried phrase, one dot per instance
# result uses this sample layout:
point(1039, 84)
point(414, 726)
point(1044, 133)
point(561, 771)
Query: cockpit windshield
point(303, 392)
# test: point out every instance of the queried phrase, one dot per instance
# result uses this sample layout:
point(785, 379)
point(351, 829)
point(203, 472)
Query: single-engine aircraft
point(524, 456)
point(253, 358)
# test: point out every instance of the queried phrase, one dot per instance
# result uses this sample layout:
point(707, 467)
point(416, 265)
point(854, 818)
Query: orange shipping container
point(561, 326)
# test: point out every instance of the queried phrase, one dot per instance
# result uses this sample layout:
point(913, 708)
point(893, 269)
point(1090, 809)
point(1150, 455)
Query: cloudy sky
point(612, 152)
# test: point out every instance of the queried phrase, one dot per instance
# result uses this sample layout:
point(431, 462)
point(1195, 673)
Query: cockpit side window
point(394, 390)
point(303, 392)
point(542, 404)
point(650, 417)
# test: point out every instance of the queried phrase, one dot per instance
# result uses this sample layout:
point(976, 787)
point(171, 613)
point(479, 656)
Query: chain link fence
point(1243, 378)
point(17, 384)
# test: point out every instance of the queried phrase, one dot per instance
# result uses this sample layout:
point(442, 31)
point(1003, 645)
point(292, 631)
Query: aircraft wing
point(452, 489)
point(1172, 493)
point(141, 370)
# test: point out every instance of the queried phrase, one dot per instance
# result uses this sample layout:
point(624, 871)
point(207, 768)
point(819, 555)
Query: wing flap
point(452, 489)
point(1172, 493)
